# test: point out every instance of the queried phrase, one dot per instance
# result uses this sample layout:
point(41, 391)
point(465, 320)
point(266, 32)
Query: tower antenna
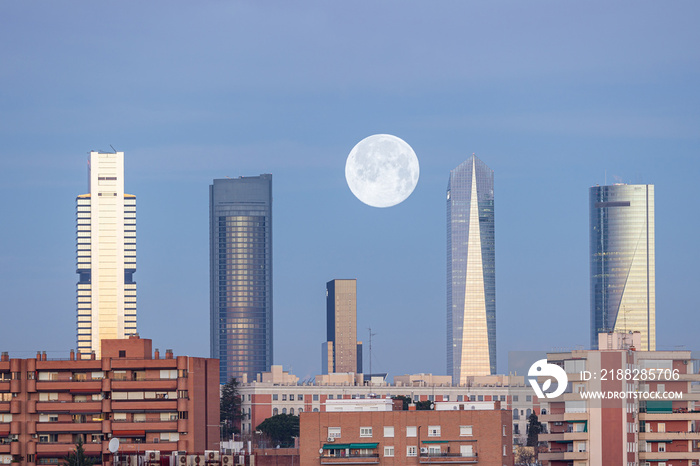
point(370, 353)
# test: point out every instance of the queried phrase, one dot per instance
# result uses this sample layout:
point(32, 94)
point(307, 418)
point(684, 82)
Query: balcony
point(563, 436)
point(564, 455)
point(652, 436)
point(667, 455)
point(675, 416)
point(72, 427)
point(351, 459)
point(68, 407)
point(563, 417)
point(448, 458)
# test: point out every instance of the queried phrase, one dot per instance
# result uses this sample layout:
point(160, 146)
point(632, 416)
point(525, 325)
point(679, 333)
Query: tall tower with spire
point(471, 272)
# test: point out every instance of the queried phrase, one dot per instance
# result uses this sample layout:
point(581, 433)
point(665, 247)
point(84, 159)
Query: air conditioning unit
point(152, 456)
point(227, 460)
point(180, 460)
point(212, 456)
point(331, 439)
point(423, 450)
point(197, 460)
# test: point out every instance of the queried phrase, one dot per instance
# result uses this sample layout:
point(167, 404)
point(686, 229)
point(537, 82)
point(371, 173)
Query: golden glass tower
point(471, 272)
point(623, 266)
point(106, 255)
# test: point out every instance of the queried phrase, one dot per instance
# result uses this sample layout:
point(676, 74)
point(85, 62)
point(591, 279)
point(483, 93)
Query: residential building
point(478, 435)
point(281, 393)
point(471, 272)
point(341, 352)
point(643, 427)
point(623, 266)
point(106, 255)
point(241, 275)
point(150, 403)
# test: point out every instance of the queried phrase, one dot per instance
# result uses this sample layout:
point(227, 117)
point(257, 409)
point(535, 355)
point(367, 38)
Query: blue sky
point(554, 96)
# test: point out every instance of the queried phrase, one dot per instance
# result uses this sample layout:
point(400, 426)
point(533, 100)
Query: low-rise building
point(458, 436)
point(148, 402)
point(618, 409)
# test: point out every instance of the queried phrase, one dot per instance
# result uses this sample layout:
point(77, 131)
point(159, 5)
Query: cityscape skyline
point(551, 117)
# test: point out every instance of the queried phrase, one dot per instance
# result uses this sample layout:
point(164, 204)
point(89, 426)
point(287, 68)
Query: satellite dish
point(320, 451)
point(114, 445)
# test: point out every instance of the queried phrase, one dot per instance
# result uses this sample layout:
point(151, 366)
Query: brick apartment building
point(472, 433)
point(149, 402)
point(627, 432)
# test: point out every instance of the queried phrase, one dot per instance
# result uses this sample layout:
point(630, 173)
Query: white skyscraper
point(106, 255)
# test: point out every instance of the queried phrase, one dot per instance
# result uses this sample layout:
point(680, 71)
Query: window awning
point(364, 445)
point(660, 441)
point(435, 441)
point(86, 390)
point(336, 446)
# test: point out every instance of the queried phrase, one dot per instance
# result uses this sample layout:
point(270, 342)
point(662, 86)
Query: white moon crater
point(382, 170)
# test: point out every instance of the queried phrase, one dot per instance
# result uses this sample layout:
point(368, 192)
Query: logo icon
point(542, 368)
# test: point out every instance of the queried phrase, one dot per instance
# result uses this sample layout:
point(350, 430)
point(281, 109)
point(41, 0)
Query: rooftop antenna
point(115, 150)
point(370, 352)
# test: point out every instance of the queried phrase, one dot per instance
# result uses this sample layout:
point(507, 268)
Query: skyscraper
point(240, 228)
point(342, 352)
point(623, 295)
point(471, 272)
point(106, 255)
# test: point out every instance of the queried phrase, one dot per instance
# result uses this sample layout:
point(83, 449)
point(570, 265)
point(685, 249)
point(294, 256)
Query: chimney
point(156, 354)
point(43, 356)
point(38, 355)
point(168, 354)
point(72, 355)
point(5, 356)
point(93, 356)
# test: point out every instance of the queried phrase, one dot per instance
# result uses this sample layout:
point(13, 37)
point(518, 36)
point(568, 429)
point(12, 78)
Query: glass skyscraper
point(471, 272)
point(623, 271)
point(240, 228)
point(106, 255)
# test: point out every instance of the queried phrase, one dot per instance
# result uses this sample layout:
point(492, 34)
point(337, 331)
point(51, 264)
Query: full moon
point(382, 170)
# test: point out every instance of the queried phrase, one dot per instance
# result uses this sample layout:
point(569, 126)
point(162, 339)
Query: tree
point(534, 427)
point(406, 400)
point(281, 428)
point(230, 408)
point(524, 455)
point(426, 405)
point(78, 458)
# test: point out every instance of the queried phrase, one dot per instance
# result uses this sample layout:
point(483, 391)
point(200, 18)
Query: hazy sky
point(554, 96)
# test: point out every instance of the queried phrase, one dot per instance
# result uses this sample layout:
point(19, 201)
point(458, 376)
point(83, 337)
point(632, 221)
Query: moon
point(382, 170)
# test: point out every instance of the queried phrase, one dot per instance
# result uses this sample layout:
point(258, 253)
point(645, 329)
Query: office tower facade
point(341, 352)
point(240, 216)
point(106, 255)
point(623, 266)
point(471, 272)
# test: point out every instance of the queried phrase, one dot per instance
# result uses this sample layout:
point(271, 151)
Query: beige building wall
point(106, 255)
point(341, 311)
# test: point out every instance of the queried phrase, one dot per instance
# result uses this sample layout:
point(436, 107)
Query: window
point(411, 431)
point(334, 432)
point(445, 397)
point(300, 397)
point(365, 431)
point(182, 394)
point(528, 398)
point(504, 431)
point(284, 397)
point(122, 353)
point(388, 432)
point(275, 412)
point(388, 451)
point(433, 431)
point(274, 397)
point(330, 397)
point(662, 447)
point(315, 397)
point(481, 398)
point(291, 411)
point(466, 450)
point(412, 451)
point(48, 396)
point(515, 398)
point(465, 431)
point(291, 397)
point(504, 451)
point(284, 410)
